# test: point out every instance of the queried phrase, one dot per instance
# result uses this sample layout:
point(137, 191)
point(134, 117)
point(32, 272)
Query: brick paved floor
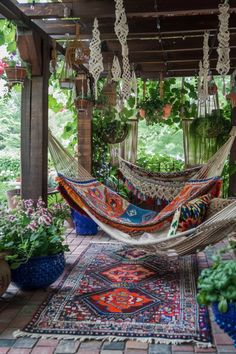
point(17, 308)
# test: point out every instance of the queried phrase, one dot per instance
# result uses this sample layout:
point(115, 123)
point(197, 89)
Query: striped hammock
point(121, 219)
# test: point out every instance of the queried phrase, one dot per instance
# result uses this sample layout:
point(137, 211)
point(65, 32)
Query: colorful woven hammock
point(123, 220)
point(153, 190)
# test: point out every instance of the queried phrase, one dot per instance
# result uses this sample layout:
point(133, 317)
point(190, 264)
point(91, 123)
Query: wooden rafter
point(104, 9)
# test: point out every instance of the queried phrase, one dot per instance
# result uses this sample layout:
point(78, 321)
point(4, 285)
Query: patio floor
point(18, 307)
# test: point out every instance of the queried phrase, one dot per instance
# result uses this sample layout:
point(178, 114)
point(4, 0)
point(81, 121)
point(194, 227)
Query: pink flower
point(32, 226)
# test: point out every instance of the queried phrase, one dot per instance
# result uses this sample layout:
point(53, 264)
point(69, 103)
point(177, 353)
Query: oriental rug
point(117, 292)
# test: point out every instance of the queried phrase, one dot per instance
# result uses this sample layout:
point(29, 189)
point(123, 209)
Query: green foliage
point(10, 121)
point(159, 140)
point(218, 284)
point(181, 95)
point(161, 163)
point(7, 35)
point(9, 168)
point(30, 231)
point(207, 134)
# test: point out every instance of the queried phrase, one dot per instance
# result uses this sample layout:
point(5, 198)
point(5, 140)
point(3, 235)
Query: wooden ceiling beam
point(169, 45)
point(106, 8)
point(170, 57)
point(140, 27)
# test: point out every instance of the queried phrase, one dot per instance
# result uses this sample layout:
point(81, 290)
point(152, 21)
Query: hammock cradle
point(147, 229)
point(153, 190)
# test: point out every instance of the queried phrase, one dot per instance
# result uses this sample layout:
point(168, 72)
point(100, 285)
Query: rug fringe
point(20, 333)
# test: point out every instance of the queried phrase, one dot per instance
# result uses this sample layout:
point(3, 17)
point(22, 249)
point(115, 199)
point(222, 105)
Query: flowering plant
point(30, 230)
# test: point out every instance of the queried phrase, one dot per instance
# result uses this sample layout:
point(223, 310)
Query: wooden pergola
point(165, 38)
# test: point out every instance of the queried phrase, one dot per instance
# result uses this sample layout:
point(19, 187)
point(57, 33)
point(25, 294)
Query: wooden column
point(34, 119)
point(85, 112)
point(232, 178)
point(85, 137)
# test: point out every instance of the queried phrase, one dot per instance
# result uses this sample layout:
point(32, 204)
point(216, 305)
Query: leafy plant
point(31, 230)
point(218, 284)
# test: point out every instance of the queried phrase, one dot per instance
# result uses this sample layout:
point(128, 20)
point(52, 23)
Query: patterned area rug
point(118, 292)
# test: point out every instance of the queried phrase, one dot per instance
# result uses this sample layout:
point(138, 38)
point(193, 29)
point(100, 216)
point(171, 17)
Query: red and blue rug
point(117, 292)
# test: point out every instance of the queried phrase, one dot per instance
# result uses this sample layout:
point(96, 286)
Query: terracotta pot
point(5, 276)
point(232, 97)
point(142, 113)
point(81, 104)
point(12, 195)
point(16, 74)
point(167, 110)
point(212, 89)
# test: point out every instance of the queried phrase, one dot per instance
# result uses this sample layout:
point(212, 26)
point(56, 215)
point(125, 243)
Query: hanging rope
point(95, 60)
point(223, 64)
point(116, 69)
point(204, 70)
point(122, 30)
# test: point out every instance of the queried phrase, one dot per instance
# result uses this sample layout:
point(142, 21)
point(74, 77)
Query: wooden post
point(85, 110)
point(85, 137)
point(232, 160)
point(34, 126)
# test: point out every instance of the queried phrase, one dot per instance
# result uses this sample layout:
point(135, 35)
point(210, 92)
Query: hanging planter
point(232, 97)
point(82, 104)
point(212, 88)
point(15, 74)
point(115, 132)
point(167, 110)
point(142, 113)
point(210, 126)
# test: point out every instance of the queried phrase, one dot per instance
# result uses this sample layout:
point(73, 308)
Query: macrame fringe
point(19, 333)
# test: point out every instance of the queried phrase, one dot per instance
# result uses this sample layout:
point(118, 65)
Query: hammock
point(153, 189)
point(121, 219)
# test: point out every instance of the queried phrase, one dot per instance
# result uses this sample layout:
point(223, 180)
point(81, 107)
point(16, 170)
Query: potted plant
point(32, 237)
point(114, 124)
point(82, 103)
point(217, 286)
point(151, 106)
point(14, 68)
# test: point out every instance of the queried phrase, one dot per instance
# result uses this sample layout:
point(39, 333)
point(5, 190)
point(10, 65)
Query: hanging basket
point(232, 97)
point(82, 104)
point(115, 135)
point(15, 75)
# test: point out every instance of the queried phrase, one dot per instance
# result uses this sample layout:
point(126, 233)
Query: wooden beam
point(166, 57)
point(140, 27)
point(29, 45)
point(106, 8)
point(182, 43)
point(34, 133)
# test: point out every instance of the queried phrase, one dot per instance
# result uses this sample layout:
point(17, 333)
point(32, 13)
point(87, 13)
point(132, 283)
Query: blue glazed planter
point(83, 224)
point(227, 320)
point(39, 272)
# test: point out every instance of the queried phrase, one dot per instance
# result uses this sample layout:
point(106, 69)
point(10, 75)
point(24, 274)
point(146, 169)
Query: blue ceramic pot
point(226, 320)
point(83, 224)
point(39, 272)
